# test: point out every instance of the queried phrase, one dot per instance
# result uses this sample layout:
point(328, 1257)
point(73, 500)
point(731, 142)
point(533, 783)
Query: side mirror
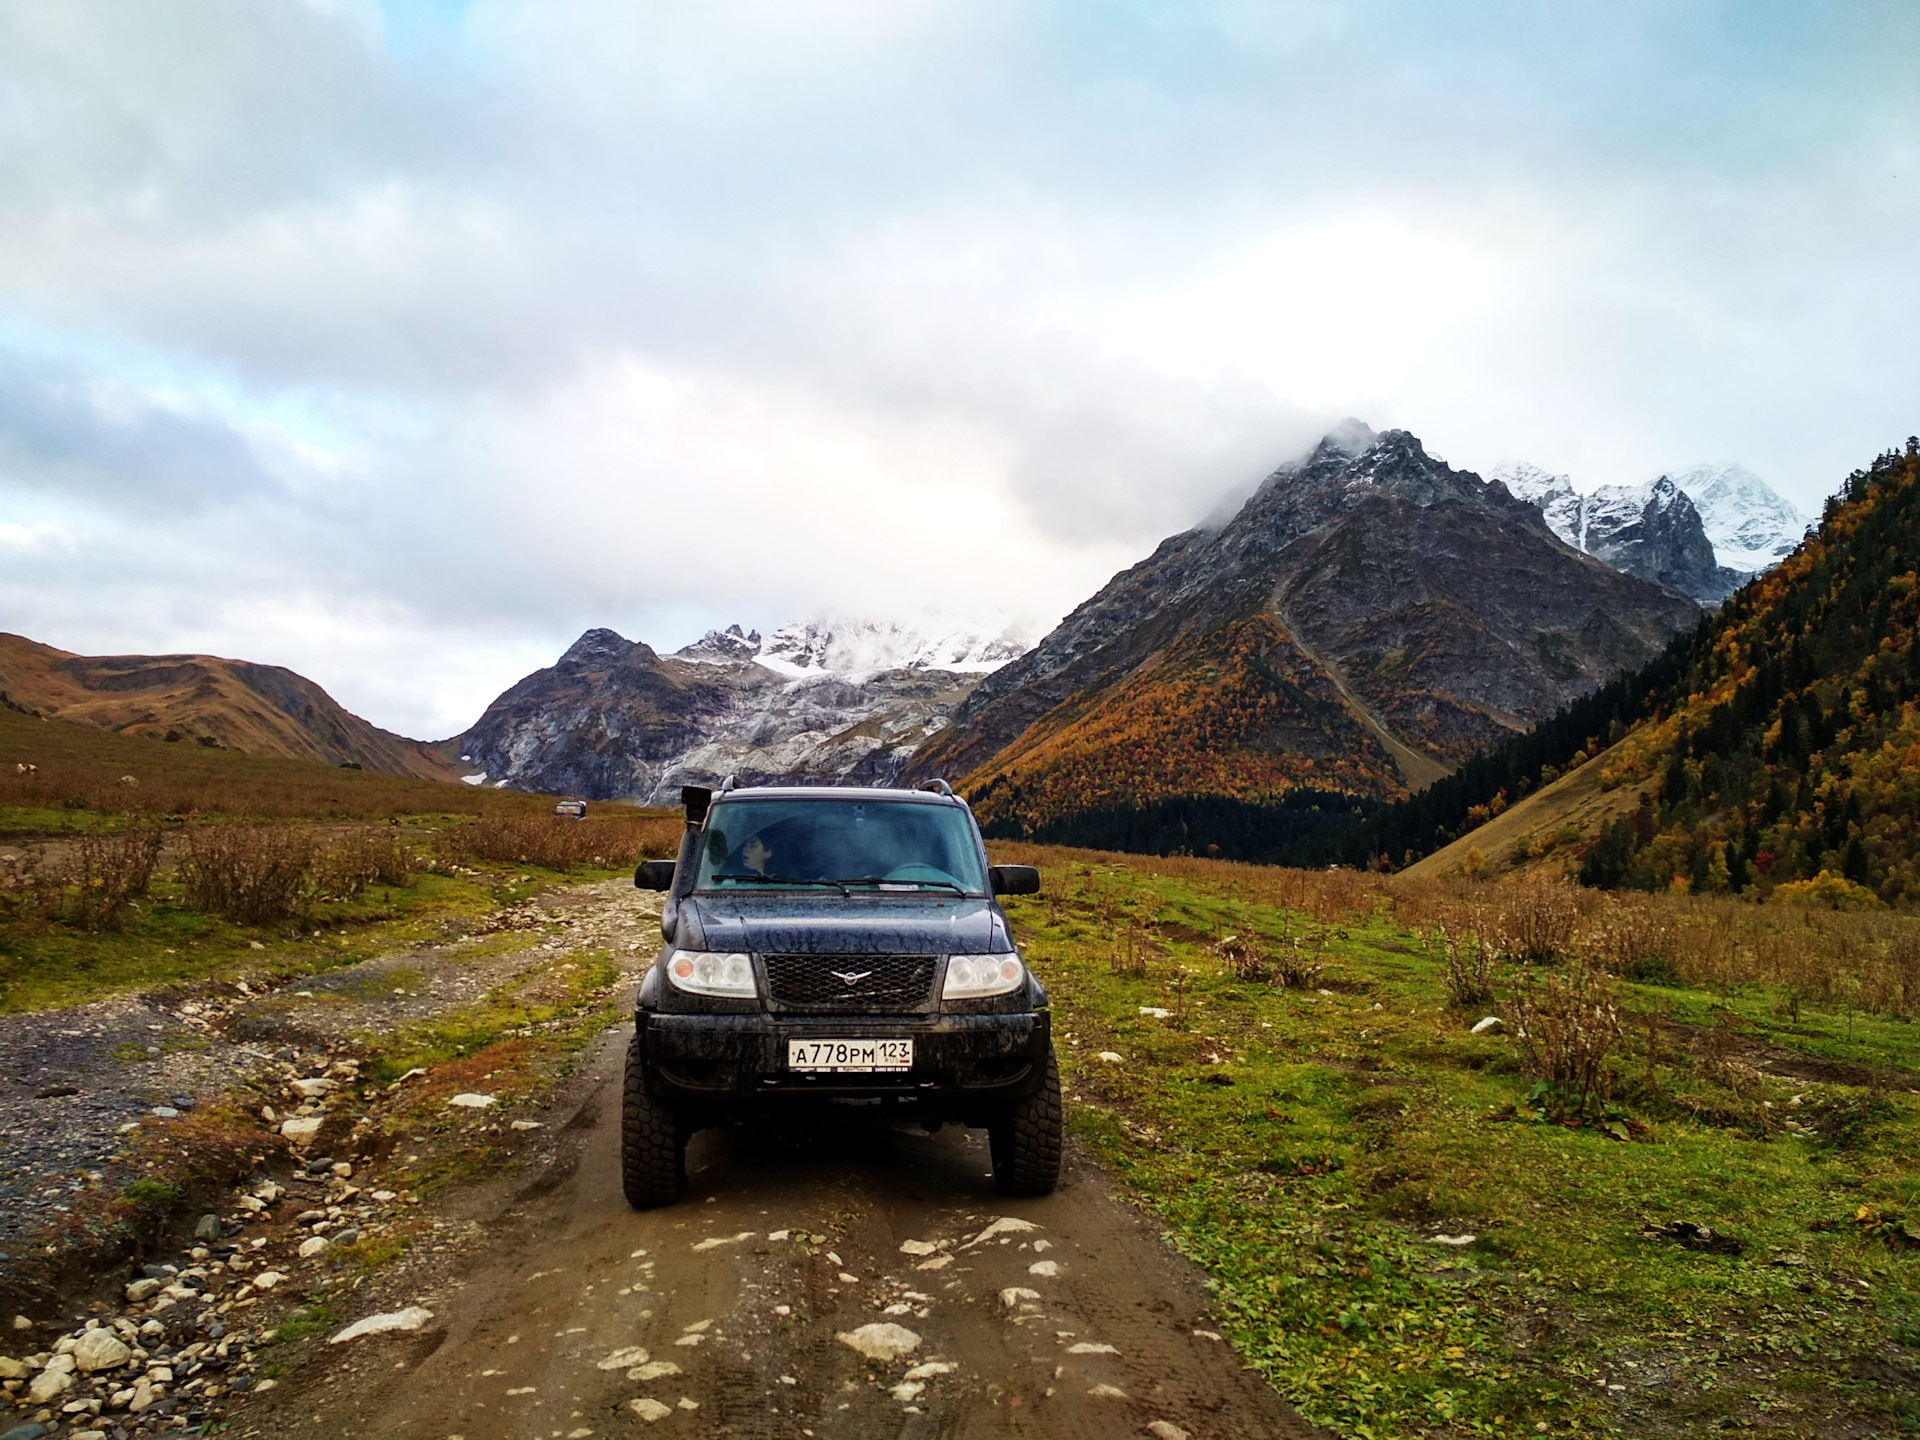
point(1013, 879)
point(654, 875)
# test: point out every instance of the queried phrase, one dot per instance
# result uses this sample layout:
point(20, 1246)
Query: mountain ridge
point(234, 704)
point(1432, 610)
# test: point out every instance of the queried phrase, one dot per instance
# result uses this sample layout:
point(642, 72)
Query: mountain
point(852, 646)
point(827, 700)
point(1653, 531)
point(1752, 528)
point(258, 709)
point(1777, 747)
point(1368, 620)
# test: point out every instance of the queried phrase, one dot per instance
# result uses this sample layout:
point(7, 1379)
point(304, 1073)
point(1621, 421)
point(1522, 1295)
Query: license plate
point(850, 1056)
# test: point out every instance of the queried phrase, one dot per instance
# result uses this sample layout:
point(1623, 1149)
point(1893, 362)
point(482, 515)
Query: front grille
point(882, 983)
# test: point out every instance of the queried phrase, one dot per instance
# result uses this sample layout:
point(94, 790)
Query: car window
point(806, 843)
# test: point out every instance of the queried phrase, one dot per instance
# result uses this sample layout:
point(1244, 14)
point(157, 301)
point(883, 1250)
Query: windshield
point(889, 844)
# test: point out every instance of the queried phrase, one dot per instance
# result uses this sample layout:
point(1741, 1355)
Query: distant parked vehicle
point(571, 809)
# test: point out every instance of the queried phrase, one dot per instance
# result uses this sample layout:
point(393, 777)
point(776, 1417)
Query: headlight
point(707, 972)
point(974, 977)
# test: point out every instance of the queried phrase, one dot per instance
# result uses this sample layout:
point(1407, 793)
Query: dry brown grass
point(610, 838)
point(1869, 961)
point(251, 874)
point(105, 872)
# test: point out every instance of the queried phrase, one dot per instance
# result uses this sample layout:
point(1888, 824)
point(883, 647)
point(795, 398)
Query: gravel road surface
point(817, 1283)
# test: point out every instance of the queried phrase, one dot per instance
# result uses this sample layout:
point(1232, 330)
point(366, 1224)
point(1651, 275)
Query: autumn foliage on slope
point(1241, 714)
point(1795, 758)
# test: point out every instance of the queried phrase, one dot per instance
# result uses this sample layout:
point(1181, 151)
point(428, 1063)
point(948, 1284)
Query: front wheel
point(1026, 1141)
point(653, 1151)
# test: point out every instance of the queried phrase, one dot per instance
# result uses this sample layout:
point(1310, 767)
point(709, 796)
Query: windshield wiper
point(889, 880)
point(754, 877)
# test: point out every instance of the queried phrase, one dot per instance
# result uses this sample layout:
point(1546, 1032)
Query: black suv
point(837, 947)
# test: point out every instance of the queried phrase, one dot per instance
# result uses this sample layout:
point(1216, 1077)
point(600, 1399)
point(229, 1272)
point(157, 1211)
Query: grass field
point(1325, 1150)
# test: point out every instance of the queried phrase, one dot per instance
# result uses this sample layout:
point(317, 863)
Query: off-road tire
point(653, 1149)
point(1026, 1141)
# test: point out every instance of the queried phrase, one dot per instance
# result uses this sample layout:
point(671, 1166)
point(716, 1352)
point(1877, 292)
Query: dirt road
point(731, 1313)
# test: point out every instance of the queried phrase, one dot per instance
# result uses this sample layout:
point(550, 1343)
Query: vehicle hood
point(814, 923)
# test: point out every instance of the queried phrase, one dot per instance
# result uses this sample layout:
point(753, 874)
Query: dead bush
point(1566, 1029)
point(1533, 921)
point(348, 866)
point(1629, 935)
point(105, 872)
point(252, 875)
point(29, 894)
point(1243, 959)
point(1469, 967)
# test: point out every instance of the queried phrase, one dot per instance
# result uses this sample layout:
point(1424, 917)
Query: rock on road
point(745, 1310)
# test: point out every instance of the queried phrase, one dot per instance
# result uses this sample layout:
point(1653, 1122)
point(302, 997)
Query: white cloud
point(400, 349)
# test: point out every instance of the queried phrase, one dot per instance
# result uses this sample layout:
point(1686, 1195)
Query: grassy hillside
point(1412, 1230)
point(127, 863)
point(204, 700)
point(1783, 760)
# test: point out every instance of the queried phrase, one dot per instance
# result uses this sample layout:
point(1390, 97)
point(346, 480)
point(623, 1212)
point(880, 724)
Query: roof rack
point(937, 786)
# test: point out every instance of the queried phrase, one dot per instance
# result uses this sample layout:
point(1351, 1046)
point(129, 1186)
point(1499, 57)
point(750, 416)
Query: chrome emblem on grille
point(850, 977)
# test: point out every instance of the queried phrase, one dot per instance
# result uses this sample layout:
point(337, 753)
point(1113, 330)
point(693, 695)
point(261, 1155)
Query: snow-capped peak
point(831, 644)
point(1750, 525)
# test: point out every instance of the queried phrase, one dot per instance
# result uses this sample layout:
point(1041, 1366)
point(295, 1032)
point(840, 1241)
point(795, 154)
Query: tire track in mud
point(1065, 1316)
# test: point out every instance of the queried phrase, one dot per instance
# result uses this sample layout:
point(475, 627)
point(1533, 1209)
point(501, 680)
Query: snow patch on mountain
point(854, 647)
point(1752, 528)
point(1749, 525)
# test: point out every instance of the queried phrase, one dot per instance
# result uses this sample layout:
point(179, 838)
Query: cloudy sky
point(401, 343)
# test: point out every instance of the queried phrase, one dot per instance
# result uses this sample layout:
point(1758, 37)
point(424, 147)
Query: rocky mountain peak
point(598, 649)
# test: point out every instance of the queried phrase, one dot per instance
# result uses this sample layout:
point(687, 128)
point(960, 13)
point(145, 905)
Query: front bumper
point(964, 1066)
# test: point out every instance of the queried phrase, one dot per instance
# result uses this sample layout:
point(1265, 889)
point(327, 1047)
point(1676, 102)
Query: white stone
point(1005, 1225)
point(654, 1370)
point(526, 1125)
point(1045, 1269)
point(907, 1390)
point(267, 1279)
point(143, 1290)
point(1485, 1025)
point(1089, 1347)
point(1457, 1241)
point(917, 1247)
point(473, 1102)
point(929, 1369)
point(881, 1340)
point(313, 1089)
point(1014, 1294)
point(1112, 1057)
point(411, 1318)
point(1166, 1430)
point(938, 1262)
point(100, 1350)
point(625, 1358)
point(48, 1384)
point(11, 1369)
point(302, 1128)
point(313, 1246)
point(650, 1410)
point(1107, 1392)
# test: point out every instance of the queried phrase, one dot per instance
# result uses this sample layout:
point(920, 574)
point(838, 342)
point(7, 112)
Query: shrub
point(1566, 1029)
point(106, 871)
point(1535, 920)
point(252, 875)
point(1469, 970)
point(347, 867)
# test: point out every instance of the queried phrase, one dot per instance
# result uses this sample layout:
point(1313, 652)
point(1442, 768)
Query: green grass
point(166, 943)
point(1357, 1127)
